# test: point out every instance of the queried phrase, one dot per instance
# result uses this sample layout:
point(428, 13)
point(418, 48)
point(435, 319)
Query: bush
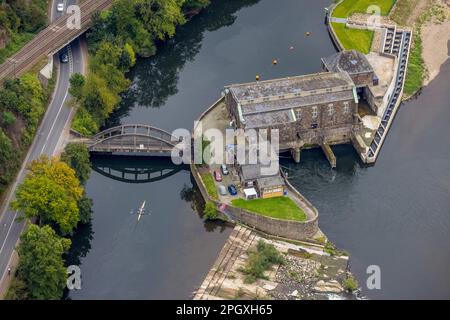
point(350, 284)
point(210, 211)
point(261, 260)
point(8, 118)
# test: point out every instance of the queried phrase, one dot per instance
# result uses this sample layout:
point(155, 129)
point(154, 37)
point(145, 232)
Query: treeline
point(53, 194)
point(129, 29)
point(22, 104)
point(19, 20)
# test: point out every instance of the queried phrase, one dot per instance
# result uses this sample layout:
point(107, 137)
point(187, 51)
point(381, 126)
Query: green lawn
point(280, 208)
point(348, 7)
point(208, 180)
point(357, 39)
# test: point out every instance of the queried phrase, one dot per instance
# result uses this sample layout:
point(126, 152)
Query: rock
point(269, 286)
point(331, 286)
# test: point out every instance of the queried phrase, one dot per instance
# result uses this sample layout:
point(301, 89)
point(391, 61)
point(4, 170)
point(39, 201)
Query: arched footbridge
point(132, 139)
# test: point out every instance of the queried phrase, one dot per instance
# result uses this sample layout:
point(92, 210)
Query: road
point(56, 118)
point(51, 39)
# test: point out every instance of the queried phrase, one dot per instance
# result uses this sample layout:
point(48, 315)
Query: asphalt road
point(46, 140)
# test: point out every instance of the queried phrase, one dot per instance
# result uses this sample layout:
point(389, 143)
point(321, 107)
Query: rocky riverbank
point(311, 271)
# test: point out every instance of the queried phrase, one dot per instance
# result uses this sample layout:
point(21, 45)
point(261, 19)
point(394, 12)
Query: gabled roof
point(268, 182)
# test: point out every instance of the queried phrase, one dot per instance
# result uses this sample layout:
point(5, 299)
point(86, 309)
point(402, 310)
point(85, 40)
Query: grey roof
point(297, 102)
point(279, 88)
point(251, 172)
point(265, 119)
point(351, 61)
point(268, 182)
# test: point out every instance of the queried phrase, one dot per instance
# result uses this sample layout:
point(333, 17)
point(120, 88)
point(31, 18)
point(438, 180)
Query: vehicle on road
point(224, 169)
point(64, 56)
point(217, 176)
point(222, 190)
point(60, 7)
point(232, 189)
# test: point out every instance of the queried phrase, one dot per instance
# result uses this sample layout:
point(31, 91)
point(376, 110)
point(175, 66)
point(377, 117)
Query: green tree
point(76, 155)
point(160, 17)
point(41, 265)
point(76, 85)
point(50, 192)
point(210, 211)
point(85, 205)
point(127, 58)
point(6, 158)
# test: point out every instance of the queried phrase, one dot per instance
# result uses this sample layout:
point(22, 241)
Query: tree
point(6, 158)
point(210, 211)
point(76, 85)
point(41, 265)
point(76, 155)
point(160, 17)
point(85, 205)
point(127, 58)
point(50, 192)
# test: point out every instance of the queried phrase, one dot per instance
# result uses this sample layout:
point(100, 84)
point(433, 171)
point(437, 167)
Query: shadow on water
point(156, 79)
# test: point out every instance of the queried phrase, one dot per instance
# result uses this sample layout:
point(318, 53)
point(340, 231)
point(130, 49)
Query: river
point(395, 214)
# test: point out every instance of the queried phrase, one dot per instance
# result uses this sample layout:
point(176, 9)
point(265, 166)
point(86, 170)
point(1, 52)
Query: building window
point(346, 107)
point(314, 112)
point(330, 109)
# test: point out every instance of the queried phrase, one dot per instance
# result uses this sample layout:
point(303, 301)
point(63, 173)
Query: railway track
point(50, 40)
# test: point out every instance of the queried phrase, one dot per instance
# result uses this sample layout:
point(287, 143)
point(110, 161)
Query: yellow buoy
point(308, 34)
point(257, 77)
point(275, 61)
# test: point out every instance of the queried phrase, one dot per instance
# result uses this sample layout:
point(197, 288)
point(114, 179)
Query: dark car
point(64, 56)
point(232, 189)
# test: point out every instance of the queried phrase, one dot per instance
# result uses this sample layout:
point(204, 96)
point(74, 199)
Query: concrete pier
point(329, 154)
point(296, 154)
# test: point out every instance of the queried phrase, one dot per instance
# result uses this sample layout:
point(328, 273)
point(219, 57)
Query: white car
point(60, 7)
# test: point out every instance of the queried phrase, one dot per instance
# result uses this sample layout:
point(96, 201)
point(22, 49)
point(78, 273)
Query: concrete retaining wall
point(331, 31)
point(295, 230)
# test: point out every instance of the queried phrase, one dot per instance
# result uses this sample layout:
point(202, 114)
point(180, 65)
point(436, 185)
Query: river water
point(395, 214)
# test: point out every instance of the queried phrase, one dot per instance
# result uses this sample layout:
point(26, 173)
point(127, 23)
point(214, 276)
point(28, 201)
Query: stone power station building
point(316, 109)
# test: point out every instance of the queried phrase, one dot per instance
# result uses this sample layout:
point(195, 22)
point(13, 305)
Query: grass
point(357, 39)
point(416, 68)
point(210, 185)
point(280, 208)
point(16, 43)
point(348, 7)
